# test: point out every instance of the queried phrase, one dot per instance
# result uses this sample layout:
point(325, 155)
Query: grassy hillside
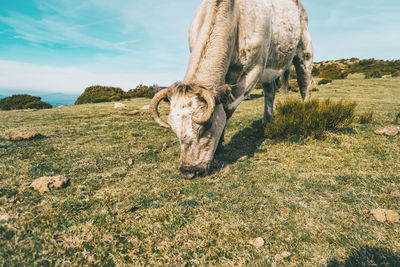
point(309, 200)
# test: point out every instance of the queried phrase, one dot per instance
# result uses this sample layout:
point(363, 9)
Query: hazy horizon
point(66, 46)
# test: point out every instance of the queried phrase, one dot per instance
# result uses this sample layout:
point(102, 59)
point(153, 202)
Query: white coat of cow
point(234, 44)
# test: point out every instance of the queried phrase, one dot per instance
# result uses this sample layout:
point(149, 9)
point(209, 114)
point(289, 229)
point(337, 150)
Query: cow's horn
point(155, 102)
point(209, 98)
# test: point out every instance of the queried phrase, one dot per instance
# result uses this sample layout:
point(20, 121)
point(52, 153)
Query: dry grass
point(310, 198)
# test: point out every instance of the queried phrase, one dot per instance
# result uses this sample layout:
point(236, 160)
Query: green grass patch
point(309, 119)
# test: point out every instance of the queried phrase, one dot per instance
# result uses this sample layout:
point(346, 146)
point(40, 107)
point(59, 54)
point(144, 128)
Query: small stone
point(47, 183)
point(119, 105)
point(4, 217)
point(130, 161)
point(145, 107)
point(258, 242)
point(19, 136)
point(395, 193)
point(382, 215)
point(379, 215)
point(389, 131)
point(282, 256)
point(392, 216)
point(244, 158)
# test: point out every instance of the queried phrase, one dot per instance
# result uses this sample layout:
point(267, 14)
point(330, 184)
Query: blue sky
point(67, 45)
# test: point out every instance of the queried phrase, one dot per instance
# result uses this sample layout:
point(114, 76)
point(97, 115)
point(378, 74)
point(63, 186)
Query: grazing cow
point(234, 44)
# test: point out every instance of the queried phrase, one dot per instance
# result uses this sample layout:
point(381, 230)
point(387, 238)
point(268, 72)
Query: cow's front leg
point(220, 146)
point(269, 97)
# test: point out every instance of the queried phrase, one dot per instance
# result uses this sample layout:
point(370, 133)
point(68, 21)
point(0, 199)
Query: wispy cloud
point(22, 75)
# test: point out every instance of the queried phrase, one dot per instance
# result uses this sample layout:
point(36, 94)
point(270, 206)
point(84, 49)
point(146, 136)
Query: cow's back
point(269, 31)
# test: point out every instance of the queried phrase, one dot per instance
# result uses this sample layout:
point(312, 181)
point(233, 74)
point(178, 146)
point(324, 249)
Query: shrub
point(398, 118)
point(373, 75)
point(366, 117)
point(324, 81)
point(23, 102)
point(333, 72)
point(98, 94)
point(396, 74)
point(314, 89)
point(309, 119)
point(143, 91)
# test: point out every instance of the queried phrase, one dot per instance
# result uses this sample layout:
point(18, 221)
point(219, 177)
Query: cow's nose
point(192, 172)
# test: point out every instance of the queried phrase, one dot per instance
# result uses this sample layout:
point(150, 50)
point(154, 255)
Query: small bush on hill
point(98, 94)
point(143, 91)
point(373, 74)
point(23, 102)
point(366, 117)
point(333, 72)
point(314, 89)
point(396, 74)
point(309, 119)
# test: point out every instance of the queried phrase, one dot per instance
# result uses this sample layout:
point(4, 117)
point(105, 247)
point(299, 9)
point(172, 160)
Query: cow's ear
point(223, 95)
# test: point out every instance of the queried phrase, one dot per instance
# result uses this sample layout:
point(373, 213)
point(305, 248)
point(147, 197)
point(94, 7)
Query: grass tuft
point(366, 117)
point(309, 119)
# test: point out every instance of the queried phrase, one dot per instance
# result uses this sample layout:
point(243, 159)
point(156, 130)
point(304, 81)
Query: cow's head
point(198, 119)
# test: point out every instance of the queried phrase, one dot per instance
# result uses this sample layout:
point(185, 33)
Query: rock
point(19, 136)
point(146, 107)
point(48, 183)
point(389, 131)
point(392, 216)
point(283, 255)
point(244, 158)
point(119, 105)
point(382, 215)
point(258, 242)
point(395, 193)
point(130, 161)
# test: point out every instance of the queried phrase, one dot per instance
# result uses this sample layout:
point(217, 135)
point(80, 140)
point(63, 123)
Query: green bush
point(373, 74)
point(23, 102)
point(324, 81)
point(332, 71)
point(98, 94)
point(396, 74)
point(314, 89)
point(143, 91)
point(366, 117)
point(309, 119)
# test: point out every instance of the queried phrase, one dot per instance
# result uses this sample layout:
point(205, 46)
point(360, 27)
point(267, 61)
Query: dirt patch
point(47, 183)
point(19, 136)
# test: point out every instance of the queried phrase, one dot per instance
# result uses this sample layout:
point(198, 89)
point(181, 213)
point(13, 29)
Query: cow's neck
point(212, 50)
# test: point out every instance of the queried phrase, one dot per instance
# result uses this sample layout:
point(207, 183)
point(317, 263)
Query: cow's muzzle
point(192, 172)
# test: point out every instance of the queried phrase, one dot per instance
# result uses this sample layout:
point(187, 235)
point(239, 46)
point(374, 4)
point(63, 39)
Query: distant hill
point(55, 99)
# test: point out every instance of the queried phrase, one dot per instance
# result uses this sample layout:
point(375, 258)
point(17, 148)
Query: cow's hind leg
point(269, 97)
